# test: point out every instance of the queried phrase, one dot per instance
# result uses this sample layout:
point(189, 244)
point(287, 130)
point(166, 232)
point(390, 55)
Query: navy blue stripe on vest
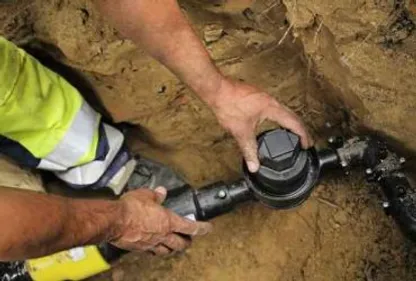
point(23, 156)
point(18, 152)
point(102, 146)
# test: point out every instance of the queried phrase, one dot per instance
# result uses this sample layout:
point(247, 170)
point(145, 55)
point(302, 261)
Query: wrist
point(207, 85)
point(95, 221)
point(118, 222)
point(209, 90)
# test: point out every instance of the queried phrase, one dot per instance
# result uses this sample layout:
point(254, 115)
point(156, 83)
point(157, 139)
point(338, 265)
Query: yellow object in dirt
point(75, 264)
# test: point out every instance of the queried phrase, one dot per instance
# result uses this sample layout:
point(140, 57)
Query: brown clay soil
point(344, 66)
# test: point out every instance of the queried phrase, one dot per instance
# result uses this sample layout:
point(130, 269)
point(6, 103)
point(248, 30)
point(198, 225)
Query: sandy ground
point(325, 60)
point(339, 234)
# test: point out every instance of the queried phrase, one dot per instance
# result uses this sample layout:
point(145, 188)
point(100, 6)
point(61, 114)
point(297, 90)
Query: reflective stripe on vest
point(90, 173)
point(76, 142)
point(43, 113)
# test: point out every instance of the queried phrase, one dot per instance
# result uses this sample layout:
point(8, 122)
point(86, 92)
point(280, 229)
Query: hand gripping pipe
point(288, 175)
point(286, 178)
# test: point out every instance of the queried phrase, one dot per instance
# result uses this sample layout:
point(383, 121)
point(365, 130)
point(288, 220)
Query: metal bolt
point(221, 194)
point(331, 139)
point(344, 164)
point(368, 171)
point(402, 160)
point(386, 204)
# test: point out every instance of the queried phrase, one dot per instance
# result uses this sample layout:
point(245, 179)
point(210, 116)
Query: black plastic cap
point(279, 149)
point(287, 173)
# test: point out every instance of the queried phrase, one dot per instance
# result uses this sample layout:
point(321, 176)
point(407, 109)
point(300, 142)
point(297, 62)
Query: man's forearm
point(163, 30)
point(35, 224)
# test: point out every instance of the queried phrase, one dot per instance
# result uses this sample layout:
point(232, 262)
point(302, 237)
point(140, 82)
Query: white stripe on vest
point(75, 143)
point(90, 173)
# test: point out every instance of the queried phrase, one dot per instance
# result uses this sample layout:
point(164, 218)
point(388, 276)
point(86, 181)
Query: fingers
point(289, 120)
point(248, 146)
point(158, 195)
point(162, 245)
point(161, 250)
point(176, 242)
point(172, 243)
point(185, 226)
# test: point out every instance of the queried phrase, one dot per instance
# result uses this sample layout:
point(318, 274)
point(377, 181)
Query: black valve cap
point(279, 149)
point(287, 173)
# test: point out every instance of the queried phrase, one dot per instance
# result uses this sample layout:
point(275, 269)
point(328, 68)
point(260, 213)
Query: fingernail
point(160, 190)
point(252, 166)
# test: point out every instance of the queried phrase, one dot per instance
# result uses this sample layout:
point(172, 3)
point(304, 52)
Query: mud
point(343, 66)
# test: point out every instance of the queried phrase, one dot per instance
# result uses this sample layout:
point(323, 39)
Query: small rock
point(341, 218)
point(249, 14)
point(213, 32)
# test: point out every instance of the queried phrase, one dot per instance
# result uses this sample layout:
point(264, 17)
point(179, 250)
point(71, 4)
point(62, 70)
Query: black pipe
point(401, 202)
point(286, 178)
point(195, 204)
point(207, 202)
point(328, 158)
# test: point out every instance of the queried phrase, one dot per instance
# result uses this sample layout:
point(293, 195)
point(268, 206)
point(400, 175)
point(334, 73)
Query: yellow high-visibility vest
point(46, 124)
point(43, 113)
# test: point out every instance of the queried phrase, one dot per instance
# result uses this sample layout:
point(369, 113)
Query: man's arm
point(162, 29)
point(34, 224)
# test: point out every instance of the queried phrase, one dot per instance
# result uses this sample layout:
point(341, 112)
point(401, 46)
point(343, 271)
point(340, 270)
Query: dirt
point(344, 66)
point(339, 234)
point(365, 50)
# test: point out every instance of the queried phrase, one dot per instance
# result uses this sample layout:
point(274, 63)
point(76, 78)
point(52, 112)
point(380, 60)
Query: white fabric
point(76, 142)
point(91, 172)
point(119, 181)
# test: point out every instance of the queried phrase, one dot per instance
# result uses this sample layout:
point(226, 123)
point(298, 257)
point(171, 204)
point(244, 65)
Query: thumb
point(248, 146)
point(160, 194)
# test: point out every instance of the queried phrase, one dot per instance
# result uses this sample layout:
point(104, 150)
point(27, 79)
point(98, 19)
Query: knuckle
point(169, 222)
point(275, 104)
point(173, 242)
point(249, 149)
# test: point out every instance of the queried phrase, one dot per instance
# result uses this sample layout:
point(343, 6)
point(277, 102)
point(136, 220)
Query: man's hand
point(240, 108)
point(137, 221)
point(160, 27)
point(147, 226)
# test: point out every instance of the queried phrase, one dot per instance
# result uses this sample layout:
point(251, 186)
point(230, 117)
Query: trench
point(344, 69)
